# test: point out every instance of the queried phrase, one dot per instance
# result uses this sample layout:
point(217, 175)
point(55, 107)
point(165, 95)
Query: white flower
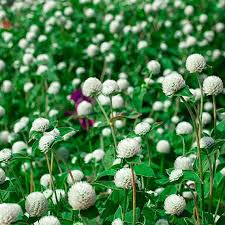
point(47, 193)
point(36, 204)
point(142, 128)
point(212, 85)
point(2, 176)
point(20, 125)
point(92, 50)
point(9, 213)
point(45, 180)
point(48, 220)
point(117, 102)
point(5, 154)
point(174, 204)
point(123, 84)
point(172, 83)
point(184, 128)
point(18, 147)
point(45, 142)
point(92, 86)
point(154, 67)
point(28, 59)
point(2, 111)
point(81, 196)
point(206, 118)
point(110, 87)
point(88, 157)
point(206, 142)
point(157, 106)
point(123, 178)
point(117, 222)
point(104, 100)
point(162, 222)
point(195, 63)
point(57, 196)
point(106, 132)
point(77, 176)
point(84, 108)
point(175, 175)
point(40, 124)
point(68, 135)
point(163, 146)
point(128, 147)
point(208, 106)
point(7, 86)
point(183, 163)
point(188, 194)
point(98, 154)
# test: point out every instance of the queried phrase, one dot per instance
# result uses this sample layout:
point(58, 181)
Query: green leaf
point(90, 213)
point(144, 170)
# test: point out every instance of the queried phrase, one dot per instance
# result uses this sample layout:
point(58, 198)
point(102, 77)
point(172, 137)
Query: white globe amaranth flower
point(123, 178)
point(45, 142)
point(212, 85)
point(98, 154)
point(48, 220)
point(18, 146)
point(74, 177)
point(142, 128)
point(2, 111)
point(174, 204)
point(157, 106)
point(183, 163)
point(117, 221)
point(36, 204)
point(175, 175)
point(195, 63)
point(92, 50)
point(207, 142)
point(55, 132)
point(128, 147)
point(162, 222)
point(110, 87)
point(106, 132)
point(154, 66)
point(40, 124)
point(9, 212)
point(123, 84)
point(46, 180)
point(2, 176)
point(68, 135)
point(189, 194)
point(163, 146)
point(84, 108)
point(206, 118)
point(47, 193)
point(117, 102)
point(5, 154)
point(81, 196)
point(104, 100)
point(7, 86)
point(92, 87)
point(172, 84)
point(184, 128)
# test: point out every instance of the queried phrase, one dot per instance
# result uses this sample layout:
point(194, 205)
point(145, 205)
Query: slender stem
point(148, 149)
point(109, 123)
point(211, 182)
point(214, 112)
point(183, 143)
point(134, 195)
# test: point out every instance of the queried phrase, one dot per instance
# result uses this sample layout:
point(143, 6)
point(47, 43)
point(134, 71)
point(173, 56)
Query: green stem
point(214, 112)
point(125, 204)
point(134, 194)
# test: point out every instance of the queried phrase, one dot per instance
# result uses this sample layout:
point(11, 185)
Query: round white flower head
point(5, 154)
point(117, 102)
point(84, 108)
point(88, 157)
point(68, 135)
point(2, 176)
point(40, 124)
point(212, 85)
point(207, 142)
point(195, 63)
point(45, 142)
point(184, 128)
point(18, 146)
point(123, 84)
point(157, 106)
point(117, 222)
point(172, 83)
point(223, 171)
point(106, 132)
point(123, 178)
point(104, 100)
point(98, 154)
point(174, 204)
point(77, 176)
point(57, 196)
point(49, 220)
point(36, 204)
point(142, 128)
point(154, 67)
point(206, 118)
point(163, 146)
point(162, 222)
point(175, 175)
point(92, 87)
point(110, 87)
point(2, 111)
point(183, 163)
point(81, 196)
point(47, 193)
point(128, 147)
point(9, 213)
point(45, 180)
